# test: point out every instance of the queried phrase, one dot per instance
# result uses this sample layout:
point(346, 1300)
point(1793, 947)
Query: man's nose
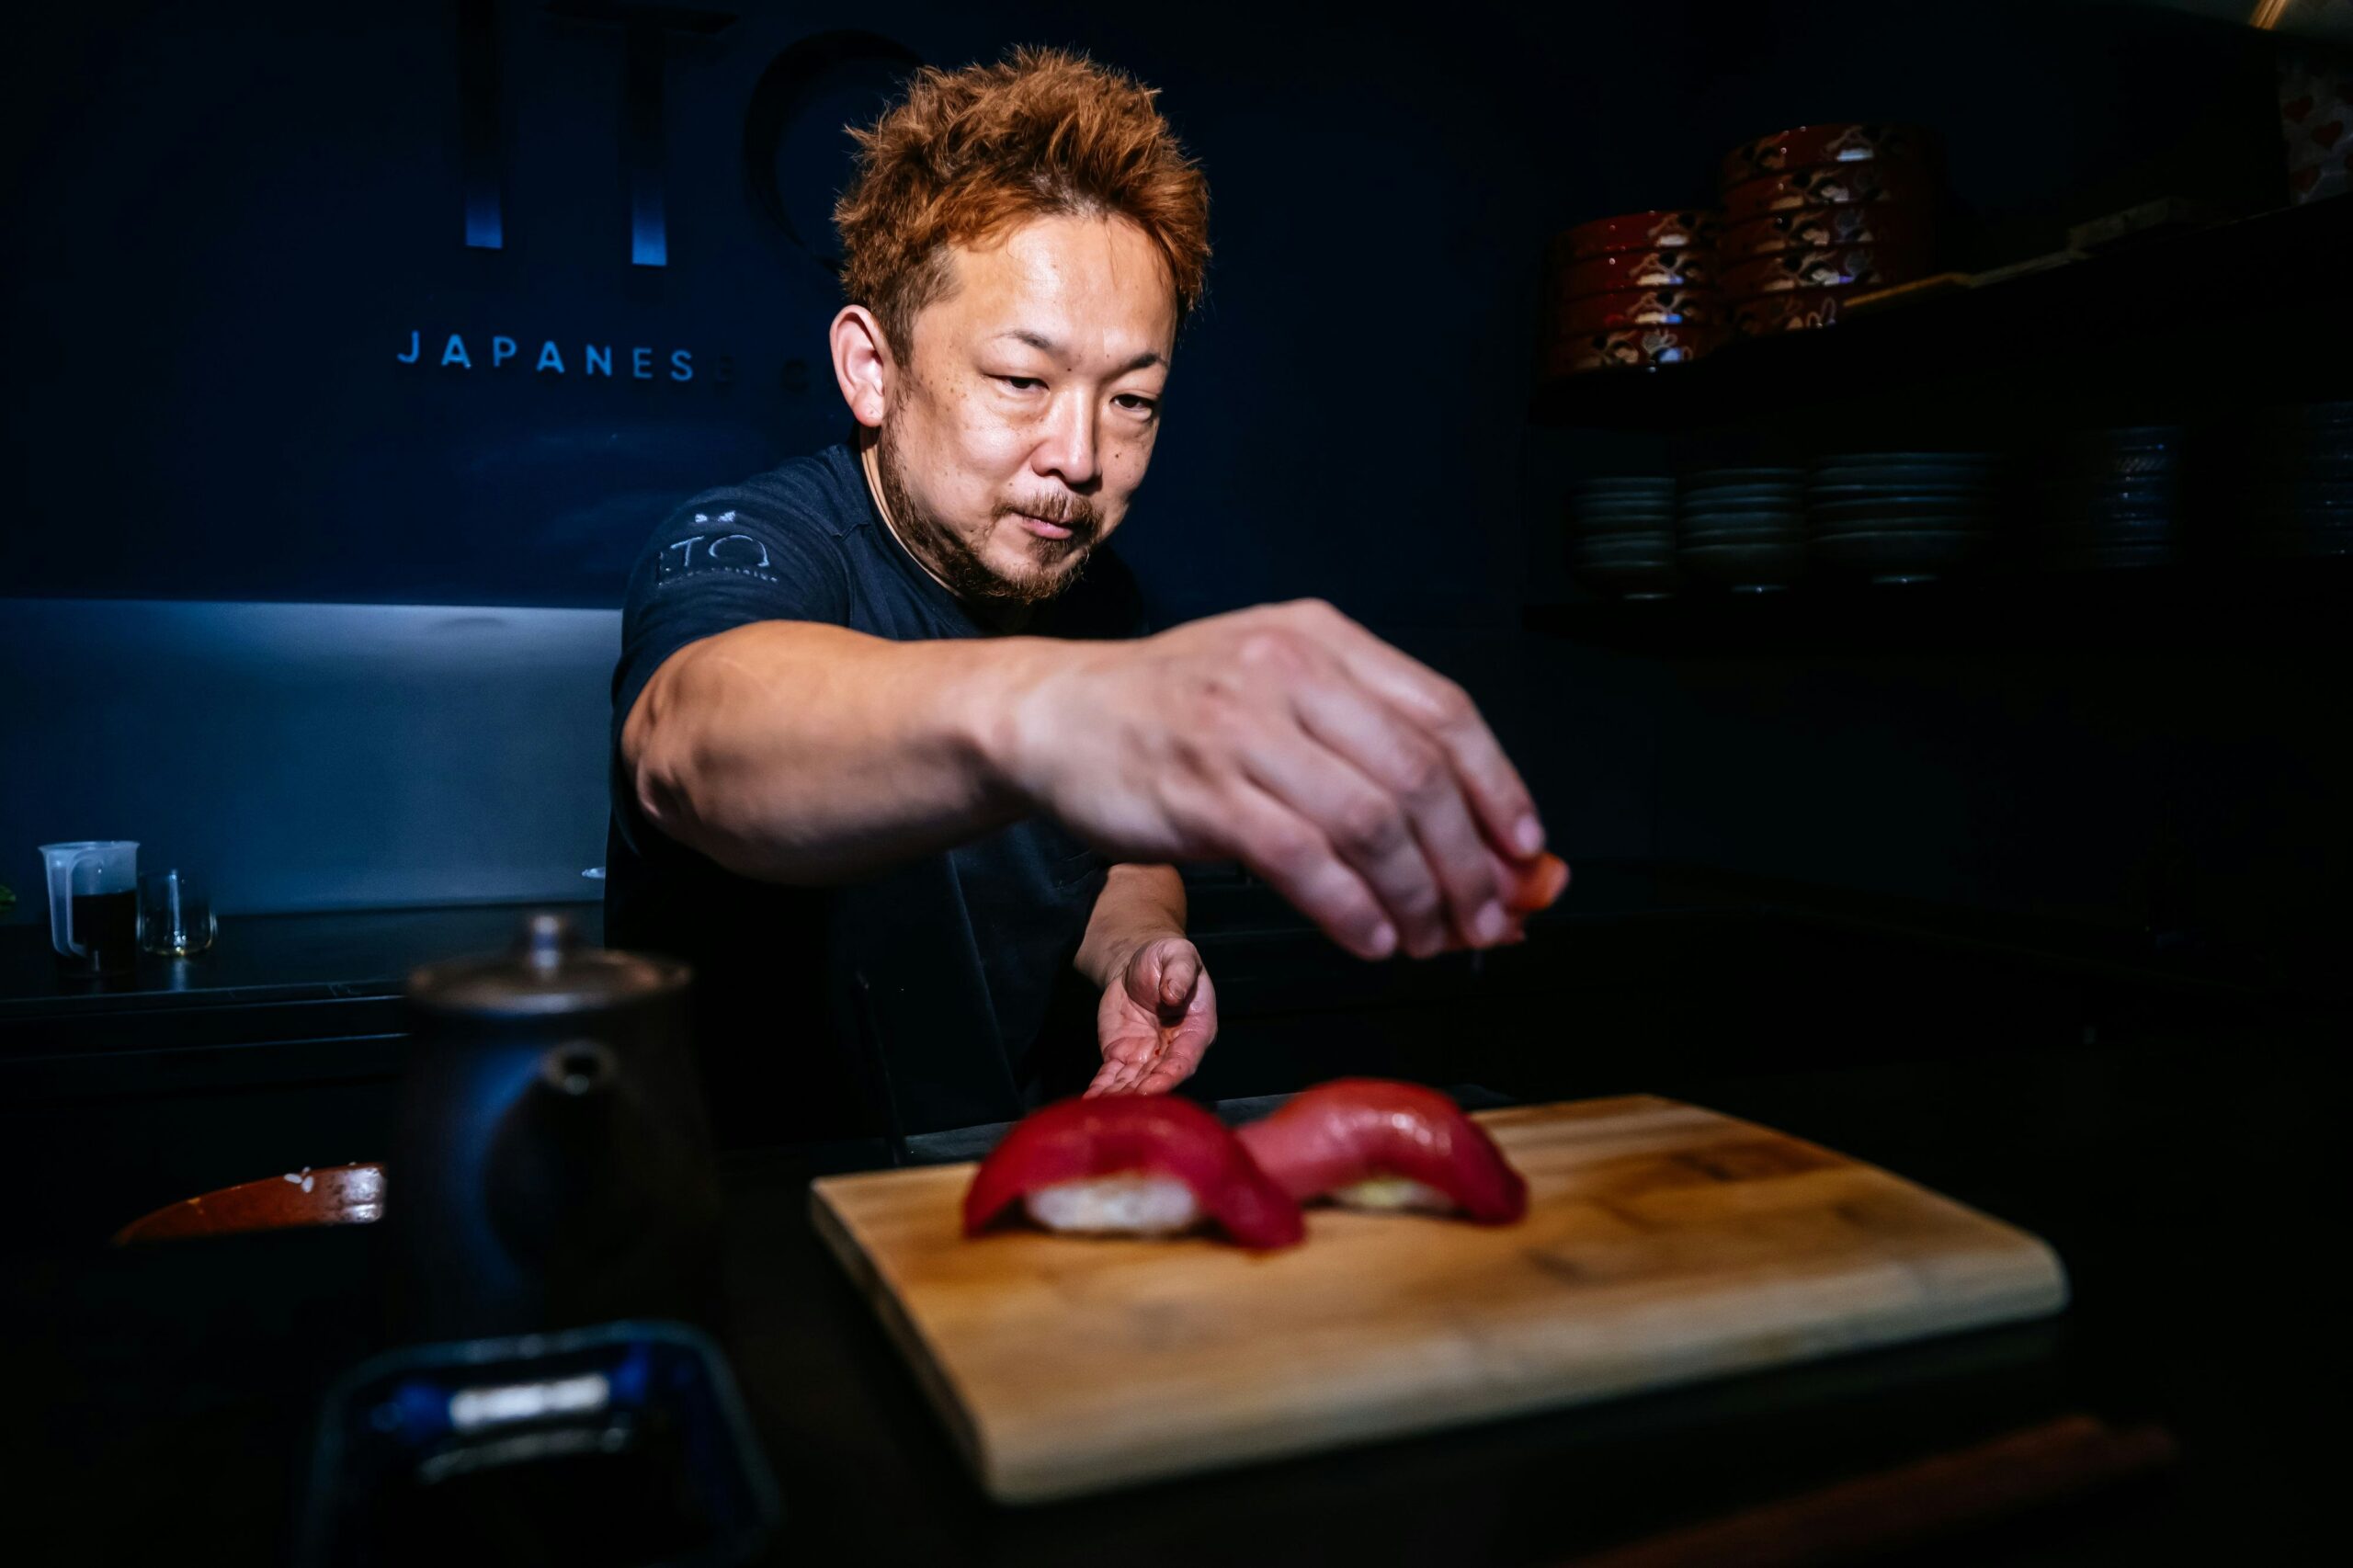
point(1069, 449)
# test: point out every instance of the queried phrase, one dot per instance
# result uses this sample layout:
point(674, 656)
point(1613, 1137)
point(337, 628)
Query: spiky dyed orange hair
point(968, 153)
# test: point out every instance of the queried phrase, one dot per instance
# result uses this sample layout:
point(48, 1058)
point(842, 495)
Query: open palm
point(1155, 1020)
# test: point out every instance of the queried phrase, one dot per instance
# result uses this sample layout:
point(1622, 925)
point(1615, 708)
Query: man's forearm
point(1138, 903)
point(1363, 787)
point(808, 753)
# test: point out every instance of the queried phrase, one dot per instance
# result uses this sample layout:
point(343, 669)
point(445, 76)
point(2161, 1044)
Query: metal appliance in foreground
point(615, 1447)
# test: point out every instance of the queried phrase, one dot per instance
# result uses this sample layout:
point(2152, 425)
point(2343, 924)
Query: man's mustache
point(1073, 512)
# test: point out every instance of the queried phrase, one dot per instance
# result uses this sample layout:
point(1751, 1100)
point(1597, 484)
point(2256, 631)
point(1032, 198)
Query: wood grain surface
point(1664, 1243)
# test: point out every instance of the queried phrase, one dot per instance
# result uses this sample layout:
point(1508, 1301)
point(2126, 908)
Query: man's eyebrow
point(1045, 345)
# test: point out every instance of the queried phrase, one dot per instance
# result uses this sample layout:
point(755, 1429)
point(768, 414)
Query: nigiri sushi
point(1376, 1143)
point(1130, 1164)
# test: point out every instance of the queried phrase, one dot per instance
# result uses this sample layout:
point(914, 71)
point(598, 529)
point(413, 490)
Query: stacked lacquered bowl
point(1621, 536)
point(1816, 215)
point(1635, 291)
point(1743, 529)
point(1902, 516)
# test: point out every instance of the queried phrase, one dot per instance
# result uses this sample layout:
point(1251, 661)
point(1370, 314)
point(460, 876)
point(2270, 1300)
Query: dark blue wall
point(225, 228)
point(225, 222)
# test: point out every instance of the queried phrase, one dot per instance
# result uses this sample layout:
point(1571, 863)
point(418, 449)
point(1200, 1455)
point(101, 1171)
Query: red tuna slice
point(1157, 1134)
point(1537, 883)
point(1339, 1134)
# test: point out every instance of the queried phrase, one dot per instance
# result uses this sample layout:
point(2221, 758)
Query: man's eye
point(1136, 403)
point(1021, 383)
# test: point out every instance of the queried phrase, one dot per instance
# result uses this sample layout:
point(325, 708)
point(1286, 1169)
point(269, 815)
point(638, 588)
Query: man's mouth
point(1041, 527)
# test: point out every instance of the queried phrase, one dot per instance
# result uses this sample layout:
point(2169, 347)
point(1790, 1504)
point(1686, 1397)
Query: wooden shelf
point(2199, 319)
point(2292, 604)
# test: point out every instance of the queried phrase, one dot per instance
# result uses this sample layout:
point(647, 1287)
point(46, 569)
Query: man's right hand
point(1364, 786)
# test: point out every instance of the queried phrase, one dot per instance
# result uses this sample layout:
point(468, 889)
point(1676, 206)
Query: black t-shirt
point(936, 994)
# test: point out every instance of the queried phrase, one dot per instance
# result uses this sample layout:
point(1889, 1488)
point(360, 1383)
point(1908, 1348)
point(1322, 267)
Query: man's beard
point(956, 559)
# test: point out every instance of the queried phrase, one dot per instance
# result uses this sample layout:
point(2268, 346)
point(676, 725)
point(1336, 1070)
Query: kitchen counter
point(279, 1048)
point(282, 1048)
point(328, 966)
point(355, 957)
point(2179, 1174)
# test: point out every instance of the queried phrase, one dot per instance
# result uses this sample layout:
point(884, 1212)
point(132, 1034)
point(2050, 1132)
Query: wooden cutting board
point(1663, 1243)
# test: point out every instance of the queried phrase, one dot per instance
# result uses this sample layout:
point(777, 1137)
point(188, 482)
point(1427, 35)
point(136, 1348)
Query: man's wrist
point(998, 708)
point(990, 708)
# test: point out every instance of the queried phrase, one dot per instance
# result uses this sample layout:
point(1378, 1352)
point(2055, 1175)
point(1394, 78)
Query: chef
point(897, 763)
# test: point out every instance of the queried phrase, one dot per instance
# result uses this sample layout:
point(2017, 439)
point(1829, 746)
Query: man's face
point(1018, 429)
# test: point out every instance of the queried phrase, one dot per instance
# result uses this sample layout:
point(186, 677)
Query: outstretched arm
point(1364, 787)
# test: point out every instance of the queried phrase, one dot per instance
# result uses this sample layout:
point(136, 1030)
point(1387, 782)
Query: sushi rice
point(1386, 1194)
point(1133, 1203)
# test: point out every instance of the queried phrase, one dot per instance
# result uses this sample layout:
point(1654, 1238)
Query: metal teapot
point(553, 1163)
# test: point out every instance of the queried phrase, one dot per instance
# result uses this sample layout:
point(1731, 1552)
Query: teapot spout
point(555, 1176)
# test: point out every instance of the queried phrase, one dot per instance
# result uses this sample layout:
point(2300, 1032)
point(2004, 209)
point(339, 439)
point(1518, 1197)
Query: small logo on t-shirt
point(739, 553)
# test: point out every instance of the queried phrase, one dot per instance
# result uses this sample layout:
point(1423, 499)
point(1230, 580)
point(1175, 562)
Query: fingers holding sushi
point(1362, 786)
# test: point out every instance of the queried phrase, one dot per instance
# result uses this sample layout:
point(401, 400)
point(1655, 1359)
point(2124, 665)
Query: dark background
point(223, 227)
point(334, 632)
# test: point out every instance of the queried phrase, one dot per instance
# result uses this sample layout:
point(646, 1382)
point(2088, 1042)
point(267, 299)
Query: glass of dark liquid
point(94, 906)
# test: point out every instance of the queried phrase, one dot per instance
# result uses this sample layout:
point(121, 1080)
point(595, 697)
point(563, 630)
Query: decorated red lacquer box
point(1642, 307)
point(1807, 145)
point(1825, 185)
point(1664, 229)
point(1639, 346)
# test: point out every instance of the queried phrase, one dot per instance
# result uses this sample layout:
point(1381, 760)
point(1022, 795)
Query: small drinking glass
point(175, 920)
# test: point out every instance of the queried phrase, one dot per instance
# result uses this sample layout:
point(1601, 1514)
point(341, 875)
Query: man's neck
point(1001, 615)
point(869, 458)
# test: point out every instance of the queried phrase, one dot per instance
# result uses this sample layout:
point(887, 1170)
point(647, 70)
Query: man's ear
point(862, 364)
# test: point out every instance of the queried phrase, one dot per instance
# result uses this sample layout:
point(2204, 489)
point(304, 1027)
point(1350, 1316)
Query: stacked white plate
point(1743, 529)
point(1902, 516)
point(1622, 535)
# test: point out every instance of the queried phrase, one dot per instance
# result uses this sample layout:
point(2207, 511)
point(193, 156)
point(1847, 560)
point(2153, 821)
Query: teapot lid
point(546, 973)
